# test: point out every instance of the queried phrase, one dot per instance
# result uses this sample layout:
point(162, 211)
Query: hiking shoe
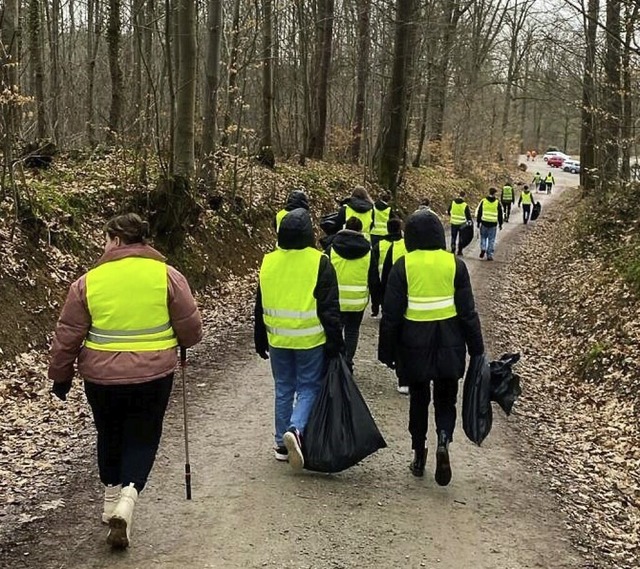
point(119, 536)
point(404, 389)
point(293, 443)
point(417, 464)
point(443, 466)
point(281, 453)
point(111, 497)
point(489, 258)
point(482, 254)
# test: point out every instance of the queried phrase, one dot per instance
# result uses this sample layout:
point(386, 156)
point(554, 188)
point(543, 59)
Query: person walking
point(549, 181)
point(459, 216)
point(359, 205)
point(527, 201)
point(538, 182)
point(297, 326)
point(382, 213)
point(122, 322)
point(489, 219)
point(350, 255)
point(428, 322)
point(507, 199)
point(384, 253)
point(296, 199)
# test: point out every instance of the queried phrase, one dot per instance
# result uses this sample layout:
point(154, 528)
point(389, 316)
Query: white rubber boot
point(119, 536)
point(111, 497)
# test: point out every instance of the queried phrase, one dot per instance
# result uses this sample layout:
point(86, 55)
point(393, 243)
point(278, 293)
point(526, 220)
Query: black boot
point(443, 466)
point(418, 462)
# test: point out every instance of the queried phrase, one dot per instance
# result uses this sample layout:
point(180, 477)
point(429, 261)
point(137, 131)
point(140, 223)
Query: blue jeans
point(298, 376)
point(488, 239)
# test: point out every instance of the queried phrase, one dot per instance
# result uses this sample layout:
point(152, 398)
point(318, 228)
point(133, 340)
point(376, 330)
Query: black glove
point(60, 389)
point(264, 353)
point(333, 349)
point(375, 310)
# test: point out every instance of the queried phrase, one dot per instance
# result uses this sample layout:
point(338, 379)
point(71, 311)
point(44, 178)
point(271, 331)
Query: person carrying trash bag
point(385, 253)
point(428, 322)
point(526, 200)
point(122, 321)
point(297, 325)
point(350, 255)
point(296, 199)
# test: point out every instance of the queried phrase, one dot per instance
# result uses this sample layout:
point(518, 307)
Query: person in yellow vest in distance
point(385, 253)
point(489, 219)
point(122, 321)
point(507, 199)
point(549, 181)
point(359, 205)
point(297, 326)
point(350, 255)
point(382, 213)
point(459, 216)
point(428, 322)
point(527, 201)
point(538, 182)
point(296, 199)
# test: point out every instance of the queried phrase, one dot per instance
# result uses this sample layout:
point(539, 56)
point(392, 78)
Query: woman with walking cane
point(123, 321)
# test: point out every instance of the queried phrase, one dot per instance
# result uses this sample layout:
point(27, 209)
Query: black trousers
point(351, 325)
point(506, 207)
point(526, 213)
point(445, 395)
point(128, 419)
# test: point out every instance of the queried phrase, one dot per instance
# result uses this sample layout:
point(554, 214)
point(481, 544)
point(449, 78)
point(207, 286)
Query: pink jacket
point(118, 368)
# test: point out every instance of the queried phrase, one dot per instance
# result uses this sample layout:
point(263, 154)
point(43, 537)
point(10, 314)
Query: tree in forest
point(9, 95)
point(266, 157)
point(113, 42)
point(36, 49)
point(364, 23)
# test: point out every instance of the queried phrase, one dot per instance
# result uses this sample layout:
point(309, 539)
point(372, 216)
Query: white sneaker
point(111, 497)
point(119, 536)
point(404, 389)
point(291, 440)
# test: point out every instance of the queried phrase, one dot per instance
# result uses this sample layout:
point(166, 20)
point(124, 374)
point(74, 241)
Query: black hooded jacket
point(358, 204)
point(381, 279)
point(422, 351)
point(354, 245)
point(296, 199)
point(296, 232)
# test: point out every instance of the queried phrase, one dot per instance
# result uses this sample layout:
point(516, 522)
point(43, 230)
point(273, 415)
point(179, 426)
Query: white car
point(556, 153)
point(572, 166)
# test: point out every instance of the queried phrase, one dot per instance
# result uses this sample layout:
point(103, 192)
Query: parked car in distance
point(555, 153)
point(572, 166)
point(555, 161)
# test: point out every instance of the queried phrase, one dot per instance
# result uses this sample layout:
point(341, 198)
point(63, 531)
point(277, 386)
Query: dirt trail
point(250, 511)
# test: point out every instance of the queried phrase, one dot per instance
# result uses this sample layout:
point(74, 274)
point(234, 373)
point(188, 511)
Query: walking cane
point(187, 465)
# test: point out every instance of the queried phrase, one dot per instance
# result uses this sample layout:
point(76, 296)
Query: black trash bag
point(535, 212)
point(328, 223)
point(341, 431)
point(505, 385)
point(465, 236)
point(477, 416)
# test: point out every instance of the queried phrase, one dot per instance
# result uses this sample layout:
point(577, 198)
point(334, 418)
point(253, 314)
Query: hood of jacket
point(350, 244)
point(424, 230)
point(381, 205)
point(393, 236)
point(296, 230)
point(360, 205)
point(296, 199)
point(491, 198)
point(459, 200)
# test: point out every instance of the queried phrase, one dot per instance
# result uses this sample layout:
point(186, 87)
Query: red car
point(555, 161)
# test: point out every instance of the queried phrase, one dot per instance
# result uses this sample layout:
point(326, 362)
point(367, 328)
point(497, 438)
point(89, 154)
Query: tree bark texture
point(232, 84)
point(113, 42)
point(364, 24)
point(588, 135)
point(36, 53)
point(212, 78)
point(265, 153)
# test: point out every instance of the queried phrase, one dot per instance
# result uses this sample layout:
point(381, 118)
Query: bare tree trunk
point(9, 53)
point(138, 74)
point(93, 41)
point(212, 81)
point(55, 69)
point(631, 17)
point(362, 74)
point(588, 128)
point(265, 153)
point(113, 41)
point(232, 86)
point(306, 89)
point(36, 50)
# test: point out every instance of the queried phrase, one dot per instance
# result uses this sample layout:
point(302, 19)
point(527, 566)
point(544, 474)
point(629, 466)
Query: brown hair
point(361, 192)
point(354, 224)
point(129, 227)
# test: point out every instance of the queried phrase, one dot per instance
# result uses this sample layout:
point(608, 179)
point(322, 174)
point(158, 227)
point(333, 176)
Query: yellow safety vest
point(430, 277)
point(127, 301)
point(365, 217)
point(279, 217)
point(526, 198)
point(385, 245)
point(549, 179)
point(490, 211)
point(352, 281)
point(507, 193)
point(288, 278)
point(458, 216)
point(398, 250)
point(380, 219)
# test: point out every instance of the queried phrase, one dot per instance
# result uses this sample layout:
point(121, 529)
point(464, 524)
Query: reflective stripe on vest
point(398, 250)
point(430, 276)
point(380, 219)
point(365, 217)
point(507, 193)
point(384, 245)
point(352, 281)
point(288, 278)
point(127, 301)
point(458, 216)
point(490, 211)
point(279, 217)
point(526, 198)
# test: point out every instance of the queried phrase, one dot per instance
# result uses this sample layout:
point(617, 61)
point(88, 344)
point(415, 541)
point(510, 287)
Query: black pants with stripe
point(128, 419)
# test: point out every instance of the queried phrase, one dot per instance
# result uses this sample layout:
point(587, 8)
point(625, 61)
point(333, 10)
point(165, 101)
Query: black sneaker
point(293, 442)
point(443, 466)
point(418, 462)
point(281, 453)
point(482, 254)
point(460, 253)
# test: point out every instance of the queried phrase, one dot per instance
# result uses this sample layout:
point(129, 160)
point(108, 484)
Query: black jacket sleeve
point(260, 340)
point(500, 215)
point(466, 309)
point(326, 293)
point(342, 217)
point(374, 277)
point(467, 213)
point(394, 307)
point(479, 216)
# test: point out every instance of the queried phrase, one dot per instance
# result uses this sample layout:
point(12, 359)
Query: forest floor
point(500, 511)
